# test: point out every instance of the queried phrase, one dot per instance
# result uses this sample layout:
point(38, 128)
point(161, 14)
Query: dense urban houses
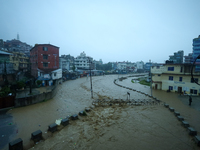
point(177, 57)
point(196, 52)
point(175, 78)
point(44, 59)
point(7, 72)
point(17, 46)
point(83, 62)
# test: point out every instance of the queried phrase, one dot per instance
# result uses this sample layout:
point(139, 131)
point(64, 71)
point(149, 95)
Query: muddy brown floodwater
point(113, 127)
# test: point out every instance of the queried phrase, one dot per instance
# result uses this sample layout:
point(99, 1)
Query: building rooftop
point(5, 53)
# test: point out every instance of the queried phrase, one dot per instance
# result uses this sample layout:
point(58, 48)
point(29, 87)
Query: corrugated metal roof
point(5, 53)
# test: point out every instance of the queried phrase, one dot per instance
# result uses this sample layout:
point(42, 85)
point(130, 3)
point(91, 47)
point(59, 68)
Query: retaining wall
point(25, 101)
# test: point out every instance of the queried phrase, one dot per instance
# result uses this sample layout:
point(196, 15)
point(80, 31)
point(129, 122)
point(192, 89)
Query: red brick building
point(44, 57)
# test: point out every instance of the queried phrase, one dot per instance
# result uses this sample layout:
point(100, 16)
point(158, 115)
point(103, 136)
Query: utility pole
point(90, 64)
point(151, 77)
point(30, 81)
point(5, 74)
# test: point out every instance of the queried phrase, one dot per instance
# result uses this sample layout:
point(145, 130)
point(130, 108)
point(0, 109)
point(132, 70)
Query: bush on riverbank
point(144, 82)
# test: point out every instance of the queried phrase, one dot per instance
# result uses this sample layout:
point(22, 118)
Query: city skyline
point(112, 31)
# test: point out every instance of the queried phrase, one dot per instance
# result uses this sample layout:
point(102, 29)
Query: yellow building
point(20, 61)
point(175, 78)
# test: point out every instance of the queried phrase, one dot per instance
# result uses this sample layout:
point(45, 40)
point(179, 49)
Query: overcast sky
point(111, 30)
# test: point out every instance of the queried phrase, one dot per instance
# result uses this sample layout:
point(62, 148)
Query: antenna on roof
point(17, 36)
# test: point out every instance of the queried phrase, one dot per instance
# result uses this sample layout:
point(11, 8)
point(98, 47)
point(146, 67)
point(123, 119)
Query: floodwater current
point(114, 127)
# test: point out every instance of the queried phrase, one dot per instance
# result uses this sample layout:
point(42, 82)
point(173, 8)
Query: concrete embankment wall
point(35, 98)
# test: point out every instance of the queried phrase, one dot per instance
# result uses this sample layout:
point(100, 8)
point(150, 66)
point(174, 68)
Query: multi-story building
point(147, 66)
point(177, 57)
point(121, 66)
point(6, 68)
point(175, 78)
point(196, 52)
point(140, 65)
point(83, 62)
point(64, 64)
point(44, 59)
point(69, 59)
point(20, 61)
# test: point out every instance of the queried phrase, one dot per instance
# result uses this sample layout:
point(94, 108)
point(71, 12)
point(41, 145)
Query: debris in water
point(2, 135)
point(58, 121)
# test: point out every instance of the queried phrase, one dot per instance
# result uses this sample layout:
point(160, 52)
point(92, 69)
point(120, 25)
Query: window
point(54, 74)
point(192, 91)
point(181, 69)
point(192, 80)
point(45, 56)
point(45, 48)
point(45, 64)
point(170, 87)
point(180, 78)
point(171, 78)
point(170, 68)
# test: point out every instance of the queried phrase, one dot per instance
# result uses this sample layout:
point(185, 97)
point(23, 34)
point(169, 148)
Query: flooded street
point(114, 127)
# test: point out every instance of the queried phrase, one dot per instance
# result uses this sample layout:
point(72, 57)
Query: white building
point(64, 63)
point(121, 65)
point(82, 62)
point(47, 78)
point(140, 65)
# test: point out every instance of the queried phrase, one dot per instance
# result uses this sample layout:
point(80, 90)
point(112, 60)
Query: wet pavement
point(133, 127)
point(7, 128)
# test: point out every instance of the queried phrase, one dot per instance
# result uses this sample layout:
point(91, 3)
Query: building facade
point(175, 78)
point(20, 61)
point(7, 71)
point(196, 52)
point(45, 58)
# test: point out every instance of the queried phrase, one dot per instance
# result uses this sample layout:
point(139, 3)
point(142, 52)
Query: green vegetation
point(21, 84)
point(5, 91)
point(144, 82)
point(39, 82)
point(132, 81)
point(84, 113)
point(104, 67)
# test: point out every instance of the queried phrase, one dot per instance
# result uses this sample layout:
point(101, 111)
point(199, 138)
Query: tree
point(73, 68)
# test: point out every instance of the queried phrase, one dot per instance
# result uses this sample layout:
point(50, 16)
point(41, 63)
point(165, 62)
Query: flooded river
point(127, 127)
